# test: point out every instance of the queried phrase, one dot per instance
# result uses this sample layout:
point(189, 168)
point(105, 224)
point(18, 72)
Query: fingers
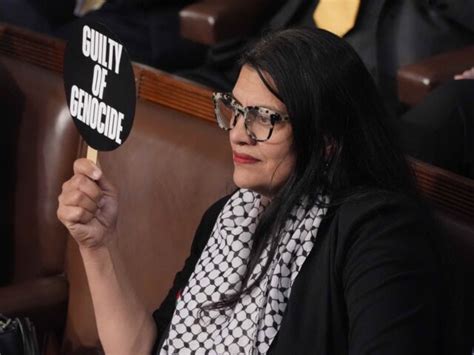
point(79, 199)
point(73, 214)
point(460, 76)
point(80, 182)
point(92, 171)
point(83, 195)
point(467, 74)
point(106, 186)
point(86, 167)
point(78, 202)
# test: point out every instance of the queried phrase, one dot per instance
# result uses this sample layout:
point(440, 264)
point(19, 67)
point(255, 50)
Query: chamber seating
point(175, 163)
point(416, 80)
point(40, 143)
point(214, 21)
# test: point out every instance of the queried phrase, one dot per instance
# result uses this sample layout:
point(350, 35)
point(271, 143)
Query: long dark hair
point(343, 141)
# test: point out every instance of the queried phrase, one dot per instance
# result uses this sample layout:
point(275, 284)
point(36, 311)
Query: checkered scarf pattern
point(252, 324)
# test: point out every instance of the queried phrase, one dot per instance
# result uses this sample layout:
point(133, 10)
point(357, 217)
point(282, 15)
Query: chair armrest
point(416, 80)
point(211, 21)
point(44, 300)
point(33, 295)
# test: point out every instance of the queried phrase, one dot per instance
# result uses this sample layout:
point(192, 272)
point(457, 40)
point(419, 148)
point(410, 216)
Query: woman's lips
point(244, 159)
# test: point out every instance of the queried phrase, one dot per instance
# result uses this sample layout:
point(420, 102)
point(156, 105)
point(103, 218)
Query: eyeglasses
point(259, 121)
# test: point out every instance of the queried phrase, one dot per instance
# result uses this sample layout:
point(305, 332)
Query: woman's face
point(260, 166)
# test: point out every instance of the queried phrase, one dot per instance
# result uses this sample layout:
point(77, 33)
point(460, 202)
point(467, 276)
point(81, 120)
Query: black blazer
point(376, 282)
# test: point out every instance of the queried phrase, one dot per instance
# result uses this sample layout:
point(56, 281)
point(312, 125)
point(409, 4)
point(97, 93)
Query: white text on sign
point(101, 49)
point(96, 114)
point(86, 107)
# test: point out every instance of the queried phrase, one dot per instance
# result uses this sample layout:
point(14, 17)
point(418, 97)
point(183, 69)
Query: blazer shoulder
point(380, 204)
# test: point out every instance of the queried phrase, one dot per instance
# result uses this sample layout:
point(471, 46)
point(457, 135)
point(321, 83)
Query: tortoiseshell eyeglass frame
point(274, 116)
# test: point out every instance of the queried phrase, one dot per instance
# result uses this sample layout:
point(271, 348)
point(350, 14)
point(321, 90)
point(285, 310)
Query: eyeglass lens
point(256, 124)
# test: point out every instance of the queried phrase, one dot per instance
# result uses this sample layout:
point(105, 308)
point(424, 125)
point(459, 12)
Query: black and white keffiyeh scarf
point(250, 327)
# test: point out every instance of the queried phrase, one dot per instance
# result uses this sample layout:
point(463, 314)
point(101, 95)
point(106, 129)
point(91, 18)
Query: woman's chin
point(244, 182)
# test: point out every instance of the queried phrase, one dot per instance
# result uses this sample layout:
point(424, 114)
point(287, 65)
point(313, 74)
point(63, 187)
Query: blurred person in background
point(440, 129)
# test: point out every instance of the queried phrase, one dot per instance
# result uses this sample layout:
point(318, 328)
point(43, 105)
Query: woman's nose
point(238, 134)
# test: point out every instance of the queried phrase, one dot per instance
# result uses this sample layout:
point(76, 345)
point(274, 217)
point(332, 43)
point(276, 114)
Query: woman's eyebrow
point(233, 96)
point(261, 106)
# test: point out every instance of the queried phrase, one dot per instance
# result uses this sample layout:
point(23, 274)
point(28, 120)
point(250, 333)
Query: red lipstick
point(244, 159)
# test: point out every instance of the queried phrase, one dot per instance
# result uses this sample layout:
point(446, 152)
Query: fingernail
point(96, 174)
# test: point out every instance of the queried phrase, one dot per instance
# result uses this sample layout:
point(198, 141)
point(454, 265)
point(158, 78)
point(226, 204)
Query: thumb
point(104, 183)
point(106, 186)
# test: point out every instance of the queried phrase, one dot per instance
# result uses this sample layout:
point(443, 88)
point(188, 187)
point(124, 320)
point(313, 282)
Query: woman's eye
point(264, 120)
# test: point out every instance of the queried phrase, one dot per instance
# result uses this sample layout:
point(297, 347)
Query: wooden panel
point(451, 192)
point(31, 47)
point(176, 93)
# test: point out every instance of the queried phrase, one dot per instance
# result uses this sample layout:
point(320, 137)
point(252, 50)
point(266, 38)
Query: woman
point(323, 249)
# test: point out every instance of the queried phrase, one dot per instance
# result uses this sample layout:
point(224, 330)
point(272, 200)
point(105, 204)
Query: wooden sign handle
point(92, 154)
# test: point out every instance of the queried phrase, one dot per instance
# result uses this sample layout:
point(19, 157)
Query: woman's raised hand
point(88, 205)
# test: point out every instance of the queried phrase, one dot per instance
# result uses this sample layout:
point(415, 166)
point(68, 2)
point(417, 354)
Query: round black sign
point(100, 86)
